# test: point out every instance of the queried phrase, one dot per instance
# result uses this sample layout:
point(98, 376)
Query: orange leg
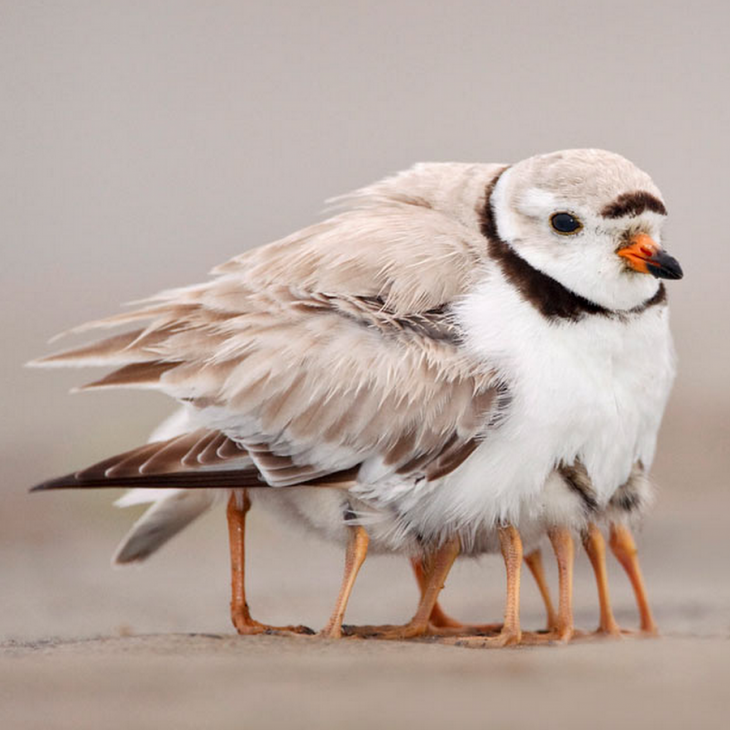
point(439, 618)
point(238, 506)
point(562, 542)
point(624, 548)
point(440, 622)
point(435, 573)
point(595, 547)
point(511, 634)
point(357, 550)
point(534, 563)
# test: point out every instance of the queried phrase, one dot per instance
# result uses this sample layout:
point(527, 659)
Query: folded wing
point(307, 359)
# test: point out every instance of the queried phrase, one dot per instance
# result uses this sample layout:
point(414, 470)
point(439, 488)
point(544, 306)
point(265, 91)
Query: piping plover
point(472, 350)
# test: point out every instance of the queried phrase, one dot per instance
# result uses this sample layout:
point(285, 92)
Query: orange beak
point(644, 255)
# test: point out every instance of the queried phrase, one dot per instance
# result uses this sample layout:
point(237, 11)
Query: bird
point(477, 354)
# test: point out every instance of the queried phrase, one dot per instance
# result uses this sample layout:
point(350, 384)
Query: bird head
point(589, 219)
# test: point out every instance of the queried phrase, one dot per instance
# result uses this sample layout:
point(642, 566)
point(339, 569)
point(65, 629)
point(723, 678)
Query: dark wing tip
point(223, 479)
point(70, 481)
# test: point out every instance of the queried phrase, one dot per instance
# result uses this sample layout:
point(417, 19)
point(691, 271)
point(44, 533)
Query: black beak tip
point(664, 266)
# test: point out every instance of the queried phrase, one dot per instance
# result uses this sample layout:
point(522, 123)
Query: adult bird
point(452, 350)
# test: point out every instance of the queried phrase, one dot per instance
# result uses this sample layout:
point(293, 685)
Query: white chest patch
point(593, 390)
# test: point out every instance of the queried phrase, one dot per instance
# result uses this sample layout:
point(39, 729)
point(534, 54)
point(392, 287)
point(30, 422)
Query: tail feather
point(146, 313)
point(99, 353)
point(141, 496)
point(136, 375)
point(162, 521)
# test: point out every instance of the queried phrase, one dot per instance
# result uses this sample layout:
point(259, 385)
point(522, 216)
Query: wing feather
point(316, 353)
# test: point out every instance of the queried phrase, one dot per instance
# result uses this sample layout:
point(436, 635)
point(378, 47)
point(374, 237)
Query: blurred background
point(143, 142)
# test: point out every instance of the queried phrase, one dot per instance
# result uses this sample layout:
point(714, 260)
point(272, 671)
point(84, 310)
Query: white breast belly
point(593, 389)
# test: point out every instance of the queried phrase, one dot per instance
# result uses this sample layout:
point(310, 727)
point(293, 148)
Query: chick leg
point(238, 505)
point(534, 562)
point(440, 622)
point(595, 547)
point(357, 550)
point(439, 618)
point(562, 542)
point(624, 548)
point(435, 572)
point(511, 546)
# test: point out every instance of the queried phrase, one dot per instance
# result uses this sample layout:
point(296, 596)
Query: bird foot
point(552, 636)
point(249, 627)
point(649, 632)
point(459, 629)
point(616, 632)
point(389, 632)
point(504, 639)
point(298, 630)
point(331, 631)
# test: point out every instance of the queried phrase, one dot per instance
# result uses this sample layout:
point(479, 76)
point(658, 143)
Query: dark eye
point(565, 223)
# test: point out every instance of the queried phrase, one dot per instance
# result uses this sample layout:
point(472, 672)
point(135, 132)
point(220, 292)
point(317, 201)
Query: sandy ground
point(194, 681)
point(87, 646)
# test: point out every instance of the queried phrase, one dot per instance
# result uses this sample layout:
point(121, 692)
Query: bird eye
point(565, 223)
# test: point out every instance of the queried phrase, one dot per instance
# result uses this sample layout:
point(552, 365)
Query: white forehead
point(534, 202)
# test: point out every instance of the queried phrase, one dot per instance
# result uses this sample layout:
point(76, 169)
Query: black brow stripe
point(633, 203)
